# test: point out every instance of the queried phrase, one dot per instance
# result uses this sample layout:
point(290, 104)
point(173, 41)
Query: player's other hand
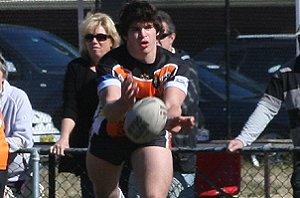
point(180, 123)
point(234, 145)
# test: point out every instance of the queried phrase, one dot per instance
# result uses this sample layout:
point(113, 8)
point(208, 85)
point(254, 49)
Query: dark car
point(244, 95)
point(37, 62)
point(256, 56)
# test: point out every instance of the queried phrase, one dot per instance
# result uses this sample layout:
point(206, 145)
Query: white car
point(43, 128)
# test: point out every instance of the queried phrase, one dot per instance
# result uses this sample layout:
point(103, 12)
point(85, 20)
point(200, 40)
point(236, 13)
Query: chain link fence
point(218, 172)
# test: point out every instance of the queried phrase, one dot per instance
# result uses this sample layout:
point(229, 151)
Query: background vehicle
point(245, 94)
point(256, 56)
point(37, 62)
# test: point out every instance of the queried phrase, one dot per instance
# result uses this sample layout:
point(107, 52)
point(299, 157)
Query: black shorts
point(118, 149)
point(3, 181)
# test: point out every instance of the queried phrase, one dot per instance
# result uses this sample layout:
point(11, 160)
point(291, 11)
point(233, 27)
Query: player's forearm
point(174, 111)
point(173, 99)
point(116, 110)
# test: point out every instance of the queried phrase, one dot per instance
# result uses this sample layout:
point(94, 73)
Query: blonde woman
point(99, 36)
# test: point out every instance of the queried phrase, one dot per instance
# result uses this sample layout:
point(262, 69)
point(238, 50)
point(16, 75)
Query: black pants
point(86, 186)
point(3, 181)
point(295, 180)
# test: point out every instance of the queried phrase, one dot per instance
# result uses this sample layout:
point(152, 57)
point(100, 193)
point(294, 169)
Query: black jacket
point(186, 162)
point(80, 102)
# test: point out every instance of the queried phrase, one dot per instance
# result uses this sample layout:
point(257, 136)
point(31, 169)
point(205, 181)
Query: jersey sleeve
point(180, 79)
point(105, 75)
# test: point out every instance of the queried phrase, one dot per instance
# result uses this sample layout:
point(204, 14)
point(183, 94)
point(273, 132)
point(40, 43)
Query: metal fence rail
point(269, 178)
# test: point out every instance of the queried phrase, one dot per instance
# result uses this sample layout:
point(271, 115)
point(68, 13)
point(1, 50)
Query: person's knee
point(100, 192)
point(154, 193)
point(158, 189)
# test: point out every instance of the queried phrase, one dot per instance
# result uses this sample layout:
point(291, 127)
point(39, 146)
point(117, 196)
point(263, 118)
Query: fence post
point(36, 172)
point(52, 175)
point(267, 174)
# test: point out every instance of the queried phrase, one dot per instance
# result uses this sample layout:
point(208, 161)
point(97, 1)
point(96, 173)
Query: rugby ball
point(145, 120)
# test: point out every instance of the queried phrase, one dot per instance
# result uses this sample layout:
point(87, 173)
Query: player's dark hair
point(138, 11)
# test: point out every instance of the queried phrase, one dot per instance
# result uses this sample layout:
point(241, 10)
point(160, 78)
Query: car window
point(214, 80)
point(47, 52)
point(253, 57)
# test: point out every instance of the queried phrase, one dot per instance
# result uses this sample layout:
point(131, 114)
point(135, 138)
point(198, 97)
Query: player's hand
point(59, 147)
point(129, 90)
point(180, 123)
point(234, 145)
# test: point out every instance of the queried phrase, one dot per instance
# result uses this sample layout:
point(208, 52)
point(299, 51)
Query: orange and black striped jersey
point(4, 146)
point(152, 79)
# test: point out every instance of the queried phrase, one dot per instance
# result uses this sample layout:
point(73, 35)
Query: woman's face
point(141, 41)
point(1, 80)
point(98, 44)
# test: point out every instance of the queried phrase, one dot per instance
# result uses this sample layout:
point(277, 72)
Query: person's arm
point(72, 80)
point(21, 135)
point(67, 127)
point(256, 123)
point(174, 98)
point(70, 108)
point(117, 99)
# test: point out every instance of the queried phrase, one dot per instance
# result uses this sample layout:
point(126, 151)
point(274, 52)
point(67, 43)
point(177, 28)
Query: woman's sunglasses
point(163, 35)
point(99, 37)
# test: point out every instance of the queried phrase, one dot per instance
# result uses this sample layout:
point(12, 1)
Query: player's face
point(141, 41)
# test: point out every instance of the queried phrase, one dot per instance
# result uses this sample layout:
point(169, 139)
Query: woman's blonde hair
point(93, 21)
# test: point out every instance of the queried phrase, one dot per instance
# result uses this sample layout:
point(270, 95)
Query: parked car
point(244, 95)
point(37, 62)
point(256, 56)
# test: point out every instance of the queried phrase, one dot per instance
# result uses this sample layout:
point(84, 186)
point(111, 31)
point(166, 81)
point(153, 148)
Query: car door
point(38, 60)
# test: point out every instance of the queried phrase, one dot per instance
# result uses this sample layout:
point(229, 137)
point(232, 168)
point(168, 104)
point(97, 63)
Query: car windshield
point(47, 52)
point(213, 77)
point(254, 57)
